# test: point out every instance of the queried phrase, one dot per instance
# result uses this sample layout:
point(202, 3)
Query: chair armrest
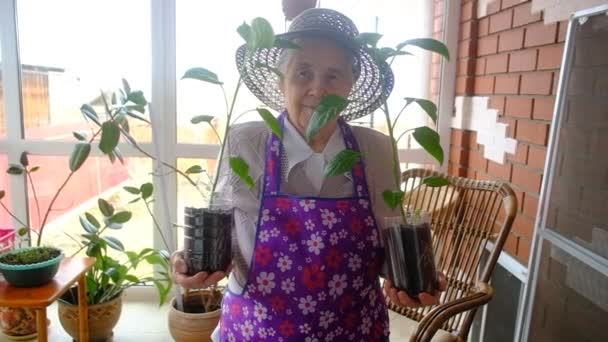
point(434, 320)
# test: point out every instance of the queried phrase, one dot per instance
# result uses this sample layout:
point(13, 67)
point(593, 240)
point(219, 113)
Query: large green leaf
point(428, 106)
point(146, 190)
point(343, 162)
point(137, 97)
point(241, 169)
point(435, 181)
point(106, 208)
point(132, 279)
point(202, 74)
point(121, 217)
point(88, 226)
point(137, 116)
point(393, 198)
point(23, 159)
point(92, 219)
point(122, 122)
point(132, 190)
point(194, 169)
point(328, 109)
point(79, 155)
point(429, 140)
point(271, 122)
point(154, 259)
point(15, 169)
point(126, 86)
point(369, 38)
point(429, 44)
point(90, 113)
point(262, 34)
point(110, 134)
point(201, 118)
point(82, 136)
point(245, 32)
point(114, 243)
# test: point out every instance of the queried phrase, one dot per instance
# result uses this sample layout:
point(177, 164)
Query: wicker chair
point(465, 216)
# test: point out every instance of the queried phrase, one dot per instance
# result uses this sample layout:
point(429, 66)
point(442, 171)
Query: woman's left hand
point(424, 299)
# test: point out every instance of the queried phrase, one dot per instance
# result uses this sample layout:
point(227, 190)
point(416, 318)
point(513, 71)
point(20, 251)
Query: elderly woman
point(307, 254)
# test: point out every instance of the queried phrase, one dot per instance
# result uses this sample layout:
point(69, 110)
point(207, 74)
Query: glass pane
point(2, 109)
point(578, 204)
point(209, 39)
point(97, 178)
point(71, 50)
point(571, 301)
point(501, 318)
point(5, 220)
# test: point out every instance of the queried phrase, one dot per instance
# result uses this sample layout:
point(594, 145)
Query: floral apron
point(314, 273)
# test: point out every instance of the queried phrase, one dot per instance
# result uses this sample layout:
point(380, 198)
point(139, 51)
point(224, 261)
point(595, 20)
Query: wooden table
point(71, 270)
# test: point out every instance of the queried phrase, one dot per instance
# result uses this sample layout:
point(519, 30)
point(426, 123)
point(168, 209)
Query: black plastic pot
point(30, 275)
point(410, 258)
point(207, 239)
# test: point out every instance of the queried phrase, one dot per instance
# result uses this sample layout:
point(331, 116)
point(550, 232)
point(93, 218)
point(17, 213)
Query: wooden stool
point(71, 270)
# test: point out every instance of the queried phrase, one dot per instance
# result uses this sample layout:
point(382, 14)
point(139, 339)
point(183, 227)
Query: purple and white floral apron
point(314, 273)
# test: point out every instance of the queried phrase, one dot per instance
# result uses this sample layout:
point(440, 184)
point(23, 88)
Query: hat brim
point(371, 89)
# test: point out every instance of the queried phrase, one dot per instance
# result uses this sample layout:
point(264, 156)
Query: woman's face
point(316, 69)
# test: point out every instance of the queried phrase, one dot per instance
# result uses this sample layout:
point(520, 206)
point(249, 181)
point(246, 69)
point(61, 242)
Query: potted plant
point(110, 276)
point(29, 266)
point(407, 235)
point(14, 321)
point(23, 265)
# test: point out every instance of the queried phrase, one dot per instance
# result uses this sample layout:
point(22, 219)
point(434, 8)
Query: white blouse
point(302, 170)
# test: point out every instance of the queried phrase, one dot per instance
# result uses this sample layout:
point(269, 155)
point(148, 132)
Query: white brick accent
point(473, 113)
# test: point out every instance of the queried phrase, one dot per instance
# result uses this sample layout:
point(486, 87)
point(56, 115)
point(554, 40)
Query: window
point(5, 220)
point(70, 52)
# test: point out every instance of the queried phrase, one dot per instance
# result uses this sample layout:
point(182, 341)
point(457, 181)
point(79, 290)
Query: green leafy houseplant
point(111, 275)
point(27, 266)
point(411, 231)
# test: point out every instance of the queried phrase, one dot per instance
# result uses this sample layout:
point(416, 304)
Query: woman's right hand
point(198, 281)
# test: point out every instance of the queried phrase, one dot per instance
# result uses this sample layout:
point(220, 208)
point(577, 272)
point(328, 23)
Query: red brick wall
point(511, 56)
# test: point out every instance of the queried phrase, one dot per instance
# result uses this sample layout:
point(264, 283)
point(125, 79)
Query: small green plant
point(30, 256)
point(112, 275)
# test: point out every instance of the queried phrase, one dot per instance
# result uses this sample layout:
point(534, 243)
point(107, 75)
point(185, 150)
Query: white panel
point(472, 113)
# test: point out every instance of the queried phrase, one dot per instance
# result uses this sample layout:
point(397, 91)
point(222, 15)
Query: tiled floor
point(146, 321)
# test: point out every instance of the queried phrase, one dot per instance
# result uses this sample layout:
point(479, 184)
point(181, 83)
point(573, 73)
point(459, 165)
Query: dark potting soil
point(410, 258)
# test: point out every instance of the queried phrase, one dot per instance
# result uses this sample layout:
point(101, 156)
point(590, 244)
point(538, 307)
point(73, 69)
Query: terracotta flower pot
point(102, 317)
point(195, 325)
point(18, 322)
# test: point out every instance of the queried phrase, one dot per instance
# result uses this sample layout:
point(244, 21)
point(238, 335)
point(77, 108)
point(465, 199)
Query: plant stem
point(11, 215)
point(29, 177)
point(137, 147)
point(65, 182)
point(396, 166)
point(226, 131)
point(156, 225)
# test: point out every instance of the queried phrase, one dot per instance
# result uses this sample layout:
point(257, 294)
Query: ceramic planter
point(18, 323)
point(194, 324)
point(102, 317)
point(30, 275)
